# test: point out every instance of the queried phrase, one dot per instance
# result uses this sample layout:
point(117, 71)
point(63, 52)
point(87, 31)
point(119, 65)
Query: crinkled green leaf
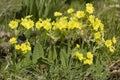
point(37, 53)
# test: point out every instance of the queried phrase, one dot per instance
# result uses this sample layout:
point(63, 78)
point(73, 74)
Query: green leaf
point(26, 61)
point(64, 57)
point(52, 54)
point(28, 33)
point(37, 53)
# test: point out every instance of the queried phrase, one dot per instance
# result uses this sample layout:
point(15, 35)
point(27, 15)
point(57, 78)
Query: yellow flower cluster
point(79, 56)
point(89, 59)
point(69, 22)
point(27, 22)
point(24, 47)
point(86, 60)
point(96, 23)
point(46, 24)
point(61, 24)
point(91, 18)
point(97, 35)
point(13, 40)
point(89, 8)
point(97, 27)
point(80, 22)
point(110, 43)
point(80, 14)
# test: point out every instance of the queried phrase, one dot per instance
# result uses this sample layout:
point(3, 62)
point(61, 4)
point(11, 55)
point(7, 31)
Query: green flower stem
point(14, 62)
point(68, 46)
point(82, 43)
point(35, 36)
point(95, 48)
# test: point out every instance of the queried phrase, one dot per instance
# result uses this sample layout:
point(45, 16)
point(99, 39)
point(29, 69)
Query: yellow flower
point(27, 23)
point(29, 16)
point(25, 47)
point(30, 24)
point(89, 55)
point(96, 24)
point(61, 23)
point(91, 18)
point(77, 46)
point(71, 10)
point(17, 47)
point(114, 40)
point(74, 24)
point(13, 40)
point(97, 35)
point(38, 25)
point(46, 24)
point(80, 14)
point(112, 48)
point(78, 25)
point(108, 43)
point(79, 55)
point(13, 24)
point(101, 26)
point(71, 24)
point(57, 14)
point(88, 61)
point(89, 8)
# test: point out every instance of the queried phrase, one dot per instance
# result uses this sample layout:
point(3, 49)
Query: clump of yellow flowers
point(88, 59)
point(27, 22)
point(89, 8)
point(13, 40)
point(110, 44)
point(81, 23)
point(24, 47)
